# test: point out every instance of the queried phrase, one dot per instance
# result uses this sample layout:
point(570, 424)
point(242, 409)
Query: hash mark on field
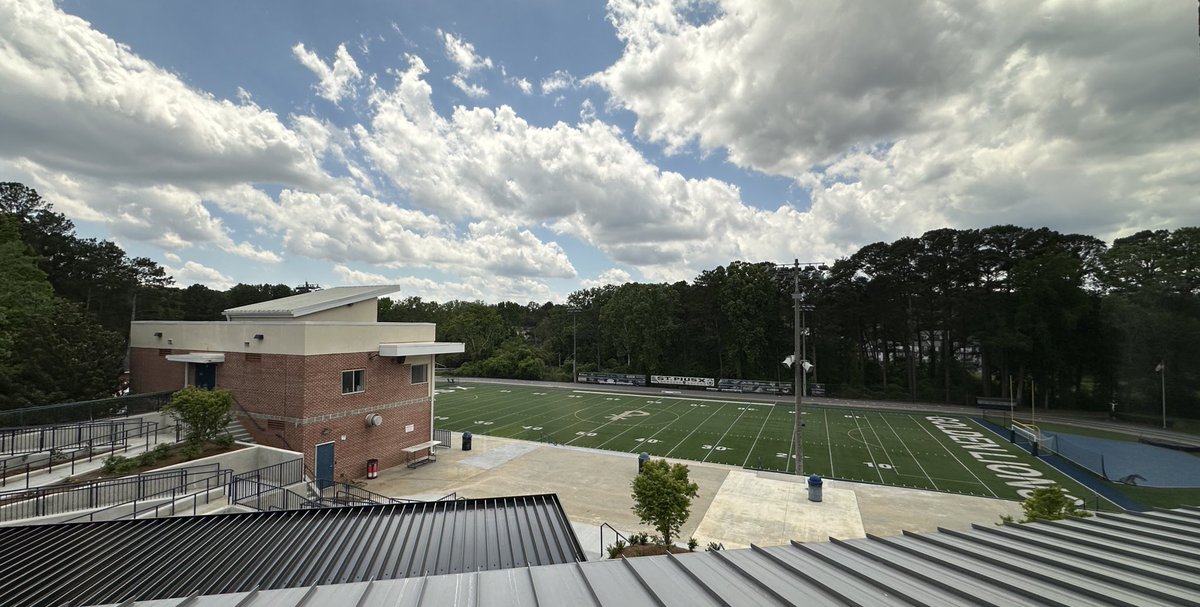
point(684, 440)
point(871, 455)
point(757, 436)
point(714, 445)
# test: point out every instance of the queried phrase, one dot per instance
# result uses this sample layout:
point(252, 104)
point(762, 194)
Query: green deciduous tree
point(1049, 504)
point(662, 497)
point(204, 413)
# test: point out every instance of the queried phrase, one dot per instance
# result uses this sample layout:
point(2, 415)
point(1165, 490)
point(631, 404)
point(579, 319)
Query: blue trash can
point(643, 457)
point(466, 441)
point(814, 488)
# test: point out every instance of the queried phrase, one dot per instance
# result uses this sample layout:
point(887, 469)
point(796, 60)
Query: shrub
point(204, 413)
point(118, 465)
point(714, 546)
point(614, 550)
point(693, 543)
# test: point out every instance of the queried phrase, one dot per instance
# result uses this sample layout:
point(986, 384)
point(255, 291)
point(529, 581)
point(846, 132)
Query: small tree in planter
point(204, 413)
point(662, 497)
point(1048, 504)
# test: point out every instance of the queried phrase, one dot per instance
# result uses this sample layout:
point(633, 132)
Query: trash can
point(643, 457)
point(372, 468)
point(466, 440)
point(814, 488)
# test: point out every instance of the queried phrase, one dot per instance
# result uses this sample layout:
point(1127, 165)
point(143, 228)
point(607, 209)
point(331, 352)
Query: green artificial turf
point(888, 447)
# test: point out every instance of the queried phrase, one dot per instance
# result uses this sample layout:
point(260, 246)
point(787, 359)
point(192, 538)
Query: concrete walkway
point(735, 507)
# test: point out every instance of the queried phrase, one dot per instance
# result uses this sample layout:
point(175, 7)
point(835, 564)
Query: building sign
point(816, 389)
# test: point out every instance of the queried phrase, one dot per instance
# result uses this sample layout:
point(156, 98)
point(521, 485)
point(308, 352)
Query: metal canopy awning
point(197, 357)
point(421, 348)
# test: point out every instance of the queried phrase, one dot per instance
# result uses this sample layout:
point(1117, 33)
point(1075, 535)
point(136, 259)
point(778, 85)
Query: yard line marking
point(938, 441)
point(792, 445)
point(756, 437)
point(874, 464)
point(657, 432)
point(714, 445)
point(910, 454)
point(891, 462)
point(684, 439)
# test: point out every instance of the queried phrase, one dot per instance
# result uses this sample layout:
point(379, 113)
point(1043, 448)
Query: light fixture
point(259, 336)
point(158, 334)
point(325, 431)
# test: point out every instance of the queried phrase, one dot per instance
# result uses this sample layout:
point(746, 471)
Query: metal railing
point(265, 496)
point(616, 536)
point(19, 440)
point(34, 463)
point(60, 499)
point(277, 475)
point(443, 436)
point(347, 491)
point(65, 413)
point(194, 489)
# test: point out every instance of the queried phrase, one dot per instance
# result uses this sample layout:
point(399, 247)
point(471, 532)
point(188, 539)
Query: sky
point(525, 149)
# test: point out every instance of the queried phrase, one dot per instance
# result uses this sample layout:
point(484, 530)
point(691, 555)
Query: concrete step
point(238, 432)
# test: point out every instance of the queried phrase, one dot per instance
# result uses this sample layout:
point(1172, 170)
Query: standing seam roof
point(1076, 562)
point(114, 561)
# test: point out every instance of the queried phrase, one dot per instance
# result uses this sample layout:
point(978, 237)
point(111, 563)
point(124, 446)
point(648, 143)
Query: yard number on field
point(880, 466)
point(717, 448)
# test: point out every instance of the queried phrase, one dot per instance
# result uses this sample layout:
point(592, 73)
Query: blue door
point(206, 376)
point(324, 467)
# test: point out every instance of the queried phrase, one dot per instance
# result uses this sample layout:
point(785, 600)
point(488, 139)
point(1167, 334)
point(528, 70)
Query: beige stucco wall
point(302, 338)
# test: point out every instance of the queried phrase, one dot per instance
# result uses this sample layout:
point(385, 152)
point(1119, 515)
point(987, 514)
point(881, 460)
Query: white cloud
point(473, 288)
point(611, 276)
point(336, 82)
point(1071, 115)
point(469, 62)
point(524, 85)
point(558, 81)
point(77, 102)
point(171, 257)
point(191, 273)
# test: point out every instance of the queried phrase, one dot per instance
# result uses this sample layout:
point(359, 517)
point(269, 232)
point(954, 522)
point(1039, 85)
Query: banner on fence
point(620, 379)
point(680, 380)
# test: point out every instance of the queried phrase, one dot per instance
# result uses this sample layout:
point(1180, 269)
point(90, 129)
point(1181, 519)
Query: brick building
point(315, 373)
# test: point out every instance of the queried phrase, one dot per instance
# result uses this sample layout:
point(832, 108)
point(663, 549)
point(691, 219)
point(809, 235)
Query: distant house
point(314, 372)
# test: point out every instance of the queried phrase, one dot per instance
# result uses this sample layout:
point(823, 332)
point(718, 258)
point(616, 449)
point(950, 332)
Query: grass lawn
point(920, 450)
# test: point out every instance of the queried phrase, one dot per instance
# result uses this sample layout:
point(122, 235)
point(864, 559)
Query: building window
point(420, 374)
point(354, 381)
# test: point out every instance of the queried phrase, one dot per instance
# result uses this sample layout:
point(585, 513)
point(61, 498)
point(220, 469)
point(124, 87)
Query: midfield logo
point(616, 417)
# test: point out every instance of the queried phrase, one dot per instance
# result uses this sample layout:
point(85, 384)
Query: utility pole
point(1162, 370)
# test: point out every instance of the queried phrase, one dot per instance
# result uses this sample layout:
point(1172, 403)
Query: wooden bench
point(412, 457)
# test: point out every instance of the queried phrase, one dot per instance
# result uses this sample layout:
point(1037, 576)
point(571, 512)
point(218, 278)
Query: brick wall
point(151, 372)
point(300, 398)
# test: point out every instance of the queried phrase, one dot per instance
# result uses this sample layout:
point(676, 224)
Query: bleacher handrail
point(220, 479)
point(145, 428)
point(70, 497)
point(101, 408)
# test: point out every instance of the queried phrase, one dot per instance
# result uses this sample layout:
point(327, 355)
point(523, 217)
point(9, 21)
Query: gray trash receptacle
point(643, 457)
point(814, 488)
point(466, 441)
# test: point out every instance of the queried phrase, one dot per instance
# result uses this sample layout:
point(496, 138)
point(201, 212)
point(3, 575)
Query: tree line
point(951, 315)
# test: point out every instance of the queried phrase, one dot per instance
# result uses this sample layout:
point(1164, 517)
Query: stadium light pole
point(799, 365)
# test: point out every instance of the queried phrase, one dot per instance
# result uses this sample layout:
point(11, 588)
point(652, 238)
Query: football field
point(940, 452)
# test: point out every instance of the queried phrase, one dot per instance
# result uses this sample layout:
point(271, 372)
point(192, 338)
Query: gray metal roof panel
point(311, 302)
point(724, 581)
point(146, 559)
point(854, 564)
point(665, 577)
point(615, 584)
point(562, 585)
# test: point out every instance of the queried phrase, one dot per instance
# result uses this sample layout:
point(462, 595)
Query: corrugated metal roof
point(92, 563)
point(1127, 559)
point(309, 303)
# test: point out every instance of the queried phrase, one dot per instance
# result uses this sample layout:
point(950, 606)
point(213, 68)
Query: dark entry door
point(324, 467)
point(206, 376)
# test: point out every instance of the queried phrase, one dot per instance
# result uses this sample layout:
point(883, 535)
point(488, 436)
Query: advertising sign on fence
point(620, 379)
point(679, 380)
point(751, 386)
point(816, 389)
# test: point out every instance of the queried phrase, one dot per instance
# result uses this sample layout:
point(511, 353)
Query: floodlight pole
point(798, 370)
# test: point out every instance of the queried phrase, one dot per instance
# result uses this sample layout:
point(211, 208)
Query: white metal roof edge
point(197, 357)
point(421, 348)
point(304, 310)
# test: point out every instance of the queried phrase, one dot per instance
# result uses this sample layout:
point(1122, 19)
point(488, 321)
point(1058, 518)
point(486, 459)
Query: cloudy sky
point(524, 149)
